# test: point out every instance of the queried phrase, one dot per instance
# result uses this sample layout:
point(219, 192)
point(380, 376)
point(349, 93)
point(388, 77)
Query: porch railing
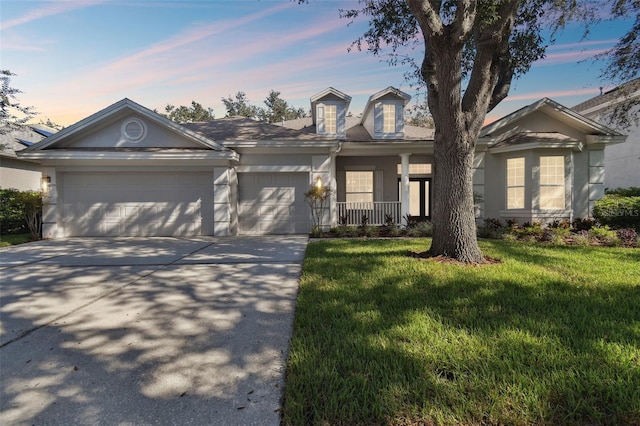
point(351, 213)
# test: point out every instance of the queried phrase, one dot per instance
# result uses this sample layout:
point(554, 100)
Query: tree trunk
point(454, 226)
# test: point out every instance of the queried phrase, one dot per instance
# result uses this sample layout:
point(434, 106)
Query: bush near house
point(20, 212)
point(619, 208)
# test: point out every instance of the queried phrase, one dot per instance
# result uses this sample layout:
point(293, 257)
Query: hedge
point(618, 211)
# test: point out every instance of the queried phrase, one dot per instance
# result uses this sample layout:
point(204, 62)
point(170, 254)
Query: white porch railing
point(351, 213)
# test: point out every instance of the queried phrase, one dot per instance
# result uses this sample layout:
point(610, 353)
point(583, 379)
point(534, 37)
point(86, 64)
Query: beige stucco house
point(126, 170)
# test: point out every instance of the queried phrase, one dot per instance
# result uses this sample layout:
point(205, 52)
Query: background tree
point(471, 51)
point(278, 110)
point(239, 105)
point(184, 114)
point(13, 115)
point(622, 64)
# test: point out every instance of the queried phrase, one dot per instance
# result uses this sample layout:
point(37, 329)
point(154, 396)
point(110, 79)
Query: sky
point(73, 58)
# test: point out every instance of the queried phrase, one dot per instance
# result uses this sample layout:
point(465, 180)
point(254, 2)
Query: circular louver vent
point(133, 130)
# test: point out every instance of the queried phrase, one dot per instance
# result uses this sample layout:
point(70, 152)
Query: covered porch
point(382, 189)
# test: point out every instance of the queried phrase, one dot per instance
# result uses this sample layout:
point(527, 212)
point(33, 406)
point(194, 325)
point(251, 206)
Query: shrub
point(20, 211)
point(618, 211)
point(633, 191)
point(421, 229)
point(605, 235)
point(11, 218)
point(581, 238)
point(580, 224)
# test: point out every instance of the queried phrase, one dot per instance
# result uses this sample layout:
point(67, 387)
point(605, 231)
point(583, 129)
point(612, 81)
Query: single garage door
point(273, 203)
point(137, 204)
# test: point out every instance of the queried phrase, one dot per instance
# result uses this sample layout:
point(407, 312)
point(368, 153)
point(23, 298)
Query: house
point(15, 172)
point(126, 170)
point(622, 161)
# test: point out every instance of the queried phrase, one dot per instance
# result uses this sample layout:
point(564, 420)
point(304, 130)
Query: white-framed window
point(330, 114)
point(417, 169)
point(515, 183)
point(389, 118)
point(552, 187)
point(359, 188)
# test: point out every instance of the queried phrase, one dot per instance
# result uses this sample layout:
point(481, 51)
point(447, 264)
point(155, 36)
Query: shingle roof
point(609, 96)
point(246, 129)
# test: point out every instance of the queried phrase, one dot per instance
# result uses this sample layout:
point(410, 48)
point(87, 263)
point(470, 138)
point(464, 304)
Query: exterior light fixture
point(45, 183)
point(319, 182)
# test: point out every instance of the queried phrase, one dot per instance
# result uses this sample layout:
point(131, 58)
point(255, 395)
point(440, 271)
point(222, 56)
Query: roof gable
point(329, 94)
point(551, 109)
point(126, 124)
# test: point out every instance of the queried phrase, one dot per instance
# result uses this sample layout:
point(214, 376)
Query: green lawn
point(13, 239)
point(549, 336)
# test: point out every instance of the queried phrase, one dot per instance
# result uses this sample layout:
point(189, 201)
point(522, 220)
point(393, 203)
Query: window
point(417, 169)
point(359, 187)
point(552, 183)
point(515, 183)
point(389, 118)
point(330, 119)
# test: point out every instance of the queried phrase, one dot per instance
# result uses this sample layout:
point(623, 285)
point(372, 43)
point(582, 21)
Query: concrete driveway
point(189, 331)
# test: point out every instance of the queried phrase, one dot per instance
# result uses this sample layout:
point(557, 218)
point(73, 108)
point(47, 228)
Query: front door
point(419, 197)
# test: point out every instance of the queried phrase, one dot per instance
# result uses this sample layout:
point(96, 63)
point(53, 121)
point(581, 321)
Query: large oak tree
point(471, 52)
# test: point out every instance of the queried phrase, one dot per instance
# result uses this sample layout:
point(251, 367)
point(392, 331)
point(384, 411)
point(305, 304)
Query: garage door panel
point(272, 203)
point(137, 204)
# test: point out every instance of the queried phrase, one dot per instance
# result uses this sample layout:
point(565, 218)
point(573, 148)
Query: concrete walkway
point(147, 330)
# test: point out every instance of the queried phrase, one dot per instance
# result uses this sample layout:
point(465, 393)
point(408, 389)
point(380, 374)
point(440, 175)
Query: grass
point(549, 336)
point(13, 239)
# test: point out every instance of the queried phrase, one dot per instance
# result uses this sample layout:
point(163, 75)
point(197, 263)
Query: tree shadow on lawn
point(445, 344)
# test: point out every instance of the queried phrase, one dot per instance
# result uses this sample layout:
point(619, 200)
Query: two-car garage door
point(137, 204)
point(178, 203)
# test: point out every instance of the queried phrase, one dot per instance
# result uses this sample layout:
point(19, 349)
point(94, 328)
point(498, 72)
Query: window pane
point(515, 198)
point(359, 198)
point(417, 169)
point(552, 182)
point(515, 183)
point(552, 170)
point(359, 186)
point(389, 118)
point(330, 118)
point(552, 197)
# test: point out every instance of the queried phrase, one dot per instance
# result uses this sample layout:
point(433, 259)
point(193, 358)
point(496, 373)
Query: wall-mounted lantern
point(319, 182)
point(45, 184)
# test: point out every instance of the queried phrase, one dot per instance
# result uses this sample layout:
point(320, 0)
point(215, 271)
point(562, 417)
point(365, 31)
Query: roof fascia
point(573, 145)
point(227, 154)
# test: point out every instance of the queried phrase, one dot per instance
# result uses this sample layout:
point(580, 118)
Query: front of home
point(127, 171)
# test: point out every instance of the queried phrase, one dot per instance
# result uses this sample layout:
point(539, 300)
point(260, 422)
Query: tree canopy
point(277, 109)
point(188, 114)
point(13, 115)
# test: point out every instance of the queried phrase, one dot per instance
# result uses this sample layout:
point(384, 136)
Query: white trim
point(573, 145)
point(129, 155)
point(273, 169)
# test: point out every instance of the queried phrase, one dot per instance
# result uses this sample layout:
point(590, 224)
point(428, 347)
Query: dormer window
point(383, 115)
point(329, 111)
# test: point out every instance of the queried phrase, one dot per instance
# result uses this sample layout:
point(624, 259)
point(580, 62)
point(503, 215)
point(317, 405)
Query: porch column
point(333, 211)
point(404, 195)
